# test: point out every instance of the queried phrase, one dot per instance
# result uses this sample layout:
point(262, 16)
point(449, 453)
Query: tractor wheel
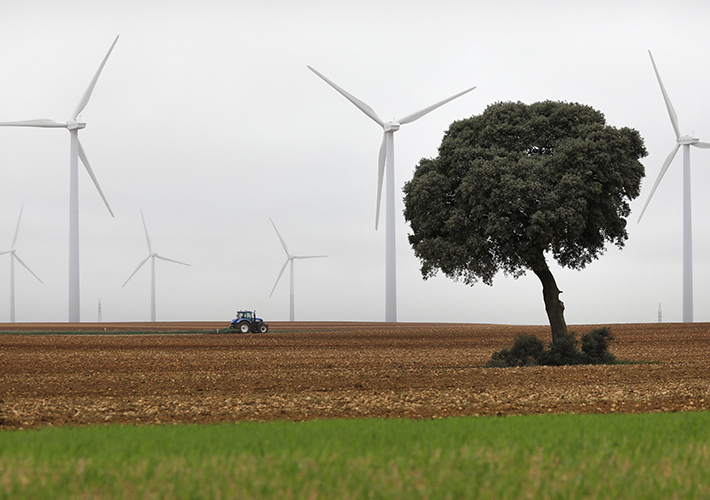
point(244, 327)
point(263, 328)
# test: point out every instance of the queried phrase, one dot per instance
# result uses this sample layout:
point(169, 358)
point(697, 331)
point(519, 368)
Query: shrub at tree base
point(595, 344)
point(528, 350)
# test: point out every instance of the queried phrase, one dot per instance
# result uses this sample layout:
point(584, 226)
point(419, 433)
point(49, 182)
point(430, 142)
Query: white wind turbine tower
point(76, 152)
point(289, 261)
point(13, 257)
point(152, 256)
point(387, 152)
point(686, 141)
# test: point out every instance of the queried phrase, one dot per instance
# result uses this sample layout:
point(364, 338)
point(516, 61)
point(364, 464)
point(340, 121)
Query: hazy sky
point(207, 119)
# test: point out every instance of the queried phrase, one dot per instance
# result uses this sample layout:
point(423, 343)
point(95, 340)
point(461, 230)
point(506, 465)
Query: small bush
point(528, 350)
point(595, 345)
point(563, 351)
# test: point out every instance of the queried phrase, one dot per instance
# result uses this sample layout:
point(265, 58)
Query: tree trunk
point(554, 307)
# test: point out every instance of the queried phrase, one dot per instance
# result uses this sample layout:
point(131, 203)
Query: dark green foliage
point(528, 350)
point(520, 180)
point(595, 345)
point(563, 351)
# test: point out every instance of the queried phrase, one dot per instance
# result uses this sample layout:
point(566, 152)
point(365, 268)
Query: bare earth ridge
point(300, 371)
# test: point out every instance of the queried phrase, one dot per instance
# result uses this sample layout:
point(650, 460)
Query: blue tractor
point(246, 321)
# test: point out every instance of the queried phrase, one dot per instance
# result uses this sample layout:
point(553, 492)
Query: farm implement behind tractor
point(247, 322)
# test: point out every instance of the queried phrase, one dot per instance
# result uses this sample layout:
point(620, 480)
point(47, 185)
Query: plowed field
point(302, 371)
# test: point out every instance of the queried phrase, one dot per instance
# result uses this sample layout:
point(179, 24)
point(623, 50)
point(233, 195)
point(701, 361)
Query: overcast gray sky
point(207, 119)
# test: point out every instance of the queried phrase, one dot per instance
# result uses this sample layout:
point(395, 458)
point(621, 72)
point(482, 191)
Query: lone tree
point(520, 183)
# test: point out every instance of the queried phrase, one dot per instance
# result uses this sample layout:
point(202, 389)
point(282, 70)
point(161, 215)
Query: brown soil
point(302, 371)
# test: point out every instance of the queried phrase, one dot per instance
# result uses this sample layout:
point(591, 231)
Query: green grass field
point(558, 456)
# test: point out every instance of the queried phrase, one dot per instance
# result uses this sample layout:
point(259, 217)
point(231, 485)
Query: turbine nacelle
point(392, 126)
point(686, 139)
point(75, 125)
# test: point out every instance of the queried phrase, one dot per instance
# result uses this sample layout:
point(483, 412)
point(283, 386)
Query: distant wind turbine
point(686, 141)
point(289, 261)
point(152, 256)
point(13, 257)
point(387, 152)
point(76, 152)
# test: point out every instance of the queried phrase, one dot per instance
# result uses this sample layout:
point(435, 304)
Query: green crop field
point(557, 456)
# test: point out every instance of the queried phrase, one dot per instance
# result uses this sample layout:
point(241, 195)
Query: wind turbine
point(387, 152)
point(686, 141)
point(76, 152)
point(152, 256)
point(13, 256)
point(289, 261)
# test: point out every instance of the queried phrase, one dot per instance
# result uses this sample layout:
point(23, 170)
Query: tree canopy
point(519, 184)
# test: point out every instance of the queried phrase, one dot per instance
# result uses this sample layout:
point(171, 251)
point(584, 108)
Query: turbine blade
point(380, 176)
point(87, 94)
point(309, 256)
point(137, 268)
point(669, 106)
point(280, 274)
point(147, 238)
point(283, 243)
point(666, 163)
point(357, 102)
point(27, 267)
point(17, 228)
point(34, 123)
point(701, 144)
point(171, 260)
point(6, 251)
point(85, 161)
point(419, 114)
